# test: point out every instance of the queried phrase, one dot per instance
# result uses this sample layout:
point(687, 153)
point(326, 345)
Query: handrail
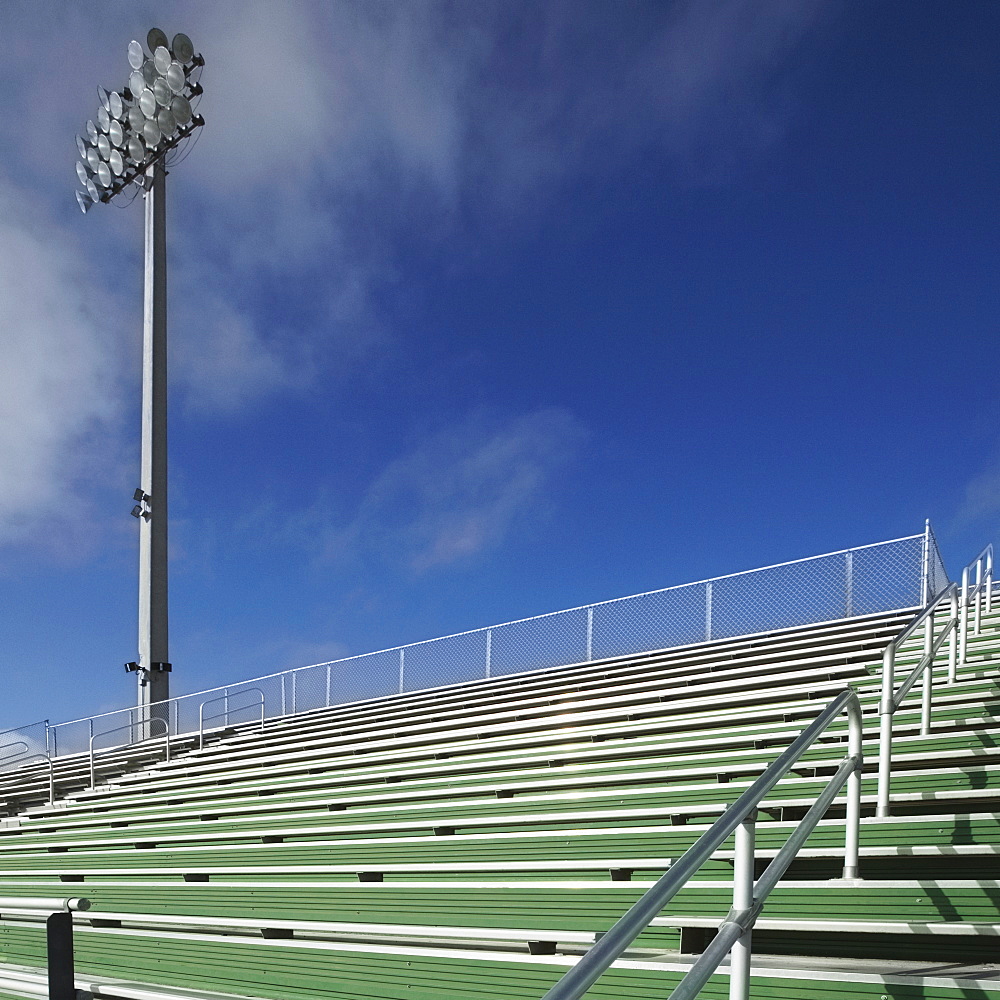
point(225, 713)
point(24, 757)
point(748, 899)
point(43, 904)
point(984, 581)
point(58, 913)
point(118, 729)
point(956, 626)
point(17, 756)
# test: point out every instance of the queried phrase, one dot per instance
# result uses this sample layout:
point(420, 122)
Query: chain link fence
point(886, 576)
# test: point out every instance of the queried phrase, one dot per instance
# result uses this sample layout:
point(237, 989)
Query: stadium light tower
point(127, 149)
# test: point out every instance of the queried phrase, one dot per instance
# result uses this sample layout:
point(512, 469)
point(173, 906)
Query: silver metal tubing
point(225, 713)
point(886, 709)
point(891, 698)
point(43, 904)
point(711, 958)
point(925, 563)
point(953, 643)
point(24, 758)
point(956, 629)
point(979, 599)
point(852, 833)
point(736, 931)
point(989, 579)
point(604, 953)
point(130, 726)
point(963, 635)
point(927, 693)
point(739, 956)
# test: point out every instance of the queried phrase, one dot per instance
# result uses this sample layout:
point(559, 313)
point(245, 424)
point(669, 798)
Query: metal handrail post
point(953, 639)
point(989, 579)
point(925, 561)
point(225, 712)
point(963, 640)
point(743, 871)
point(129, 726)
point(885, 729)
point(979, 599)
point(852, 819)
point(927, 693)
point(93, 773)
point(578, 979)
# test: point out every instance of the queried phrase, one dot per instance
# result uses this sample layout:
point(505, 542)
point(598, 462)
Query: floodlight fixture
point(155, 38)
point(175, 77)
point(151, 133)
point(181, 107)
point(147, 103)
point(162, 59)
point(166, 122)
point(143, 123)
point(182, 48)
point(162, 93)
point(136, 149)
point(130, 140)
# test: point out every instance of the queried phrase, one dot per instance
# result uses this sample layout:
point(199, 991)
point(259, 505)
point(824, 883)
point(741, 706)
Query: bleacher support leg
point(59, 942)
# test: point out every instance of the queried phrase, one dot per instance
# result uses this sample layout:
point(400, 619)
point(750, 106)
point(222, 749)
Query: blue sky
point(483, 309)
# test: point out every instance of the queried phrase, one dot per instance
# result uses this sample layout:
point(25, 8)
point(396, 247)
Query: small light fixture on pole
point(127, 149)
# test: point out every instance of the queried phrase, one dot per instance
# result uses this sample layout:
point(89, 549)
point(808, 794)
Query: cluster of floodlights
point(140, 124)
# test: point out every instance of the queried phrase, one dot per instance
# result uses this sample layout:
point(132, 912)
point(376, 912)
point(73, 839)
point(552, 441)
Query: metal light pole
point(154, 658)
point(127, 151)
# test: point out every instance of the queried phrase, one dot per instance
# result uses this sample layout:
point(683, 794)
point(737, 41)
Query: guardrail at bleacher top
point(869, 579)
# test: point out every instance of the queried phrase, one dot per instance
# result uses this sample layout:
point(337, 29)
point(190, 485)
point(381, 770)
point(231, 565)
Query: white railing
point(734, 933)
point(867, 579)
point(953, 627)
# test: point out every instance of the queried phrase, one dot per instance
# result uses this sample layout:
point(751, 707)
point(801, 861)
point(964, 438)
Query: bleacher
point(473, 841)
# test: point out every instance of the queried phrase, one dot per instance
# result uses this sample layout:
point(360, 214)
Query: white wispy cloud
point(60, 378)
point(334, 132)
point(459, 492)
point(981, 500)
